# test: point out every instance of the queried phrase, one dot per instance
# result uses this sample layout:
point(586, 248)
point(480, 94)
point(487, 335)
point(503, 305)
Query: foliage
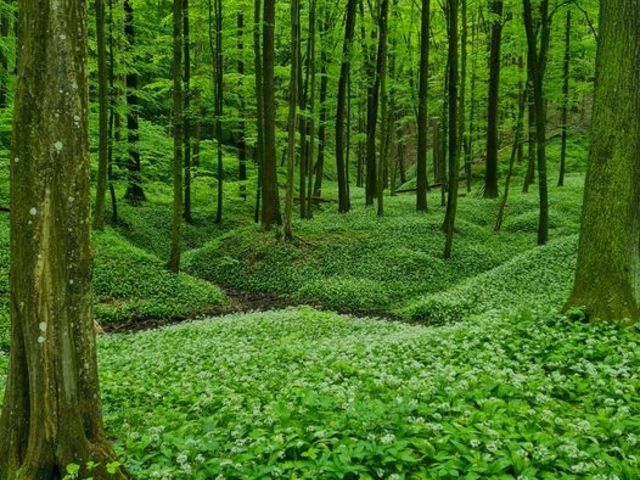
point(305, 394)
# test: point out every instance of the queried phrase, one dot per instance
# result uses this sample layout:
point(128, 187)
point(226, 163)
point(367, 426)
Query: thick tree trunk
point(134, 194)
point(52, 414)
point(103, 102)
point(178, 135)
point(423, 119)
point(606, 282)
point(454, 151)
point(271, 196)
point(491, 174)
point(345, 69)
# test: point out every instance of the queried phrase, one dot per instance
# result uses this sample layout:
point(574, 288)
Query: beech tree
point(52, 415)
point(606, 280)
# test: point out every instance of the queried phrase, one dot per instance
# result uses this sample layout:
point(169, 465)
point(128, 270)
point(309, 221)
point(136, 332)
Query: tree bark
point(52, 414)
point(242, 143)
point(186, 118)
point(606, 282)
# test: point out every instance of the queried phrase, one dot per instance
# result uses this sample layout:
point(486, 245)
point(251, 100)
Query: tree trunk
point(186, 127)
point(565, 100)
point(322, 128)
point(5, 26)
point(292, 126)
point(372, 120)
point(103, 102)
point(606, 282)
point(178, 132)
point(271, 197)
point(491, 174)
point(242, 144)
point(257, 63)
point(312, 110)
point(537, 64)
point(454, 151)
point(345, 69)
point(134, 194)
point(52, 414)
point(423, 126)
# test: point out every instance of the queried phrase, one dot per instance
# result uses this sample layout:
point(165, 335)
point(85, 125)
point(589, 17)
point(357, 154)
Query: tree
point(293, 124)
point(565, 98)
point(345, 70)
point(491, 175)
point(423, 119)
point(454, 151)
point(257, 62)
point(134, 194)
point(271, 197)
point(178, 135)
point(103, 103)
point(374, 100)
point(5, 25)
point(218, 83)
point(52, 414)
point(242, 143)
point(606, 280)
point(186, 118)
point(537, 65)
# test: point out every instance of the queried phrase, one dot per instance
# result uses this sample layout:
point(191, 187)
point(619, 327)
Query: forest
point(319, 239)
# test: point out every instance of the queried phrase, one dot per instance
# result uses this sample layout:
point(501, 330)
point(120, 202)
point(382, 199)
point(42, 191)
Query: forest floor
point(301, 375)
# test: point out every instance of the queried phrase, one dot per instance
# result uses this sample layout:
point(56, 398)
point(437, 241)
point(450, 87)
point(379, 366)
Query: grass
point(313, 395)
point(358, 262)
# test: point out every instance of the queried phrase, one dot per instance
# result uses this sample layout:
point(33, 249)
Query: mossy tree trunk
point(607, 281)
point(52, 415)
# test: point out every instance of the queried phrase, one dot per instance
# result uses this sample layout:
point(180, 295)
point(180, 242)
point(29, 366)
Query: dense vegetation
point(398, 239)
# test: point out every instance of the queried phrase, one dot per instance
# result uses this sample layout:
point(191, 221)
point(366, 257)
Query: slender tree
point(345, 69)
point(5, 27)
point(134, 194)
point(257, 63)
point(178, 134)
point(372, 118)
point(324, 89)
point(242, 143)
point(423, 118)
point(52, 414)
point(186, 130)
point(218, 83)
point(293, 120)
point(606, 281)
point(491, 174)
point(454, 151)
point(103, 122)
point(271, 197)
point(565, 99)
